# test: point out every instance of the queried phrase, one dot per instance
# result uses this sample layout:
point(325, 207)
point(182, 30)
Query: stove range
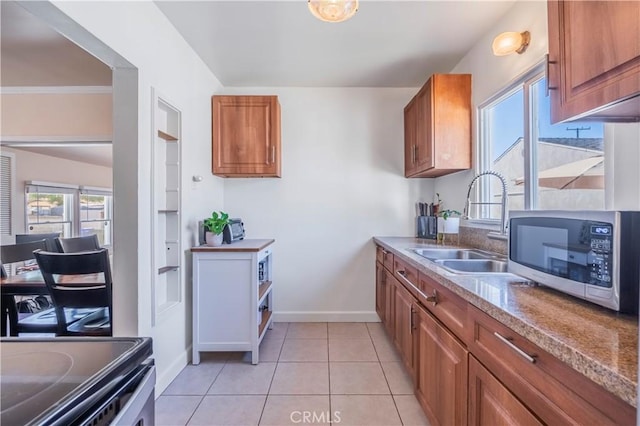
point(69, 381)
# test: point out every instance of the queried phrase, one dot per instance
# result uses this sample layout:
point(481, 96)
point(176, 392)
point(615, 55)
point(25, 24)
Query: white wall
point(43, 168)
point(622, 156)
point(141, 34)
point(342, 183)
point(492, 73)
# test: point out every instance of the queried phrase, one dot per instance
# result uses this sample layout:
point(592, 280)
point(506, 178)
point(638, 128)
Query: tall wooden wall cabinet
point(246, 136)
point(437, 127)
point(166, 230)
point(594, 60)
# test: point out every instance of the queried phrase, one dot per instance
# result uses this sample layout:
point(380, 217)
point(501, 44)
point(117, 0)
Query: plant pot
point(451, 225)
point(213, 240)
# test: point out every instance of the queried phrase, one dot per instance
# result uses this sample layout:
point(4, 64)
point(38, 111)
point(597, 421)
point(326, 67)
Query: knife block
point(427, 227)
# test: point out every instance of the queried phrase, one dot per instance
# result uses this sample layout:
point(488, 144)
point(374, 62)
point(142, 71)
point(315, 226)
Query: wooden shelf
point(166, 136)
point(166, 269)
point(262, 289)
point(266, 316)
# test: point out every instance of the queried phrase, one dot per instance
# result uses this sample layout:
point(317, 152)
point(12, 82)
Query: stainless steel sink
point(438, 254)
point(473, 266)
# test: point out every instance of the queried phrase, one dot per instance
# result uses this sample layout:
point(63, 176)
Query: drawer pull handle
point(403, 275)
point(507, 341)
point(433, 299)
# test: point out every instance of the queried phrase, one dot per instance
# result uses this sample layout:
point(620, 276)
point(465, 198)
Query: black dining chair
point(28, 321)
point(78, 244)
point(50, 239)
point(79, 281)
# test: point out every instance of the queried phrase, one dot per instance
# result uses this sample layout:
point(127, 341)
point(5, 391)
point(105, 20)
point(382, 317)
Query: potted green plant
point(214, 226)
point(450, 221)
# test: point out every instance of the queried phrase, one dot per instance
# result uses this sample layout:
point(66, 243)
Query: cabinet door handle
point(403, 275)
point(547, 63)
point(507, 341)
point(411, 320)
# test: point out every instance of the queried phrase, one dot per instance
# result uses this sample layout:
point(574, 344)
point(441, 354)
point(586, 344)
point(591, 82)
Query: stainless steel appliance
point(77, 381)
point(234, 231)
point(593, 255)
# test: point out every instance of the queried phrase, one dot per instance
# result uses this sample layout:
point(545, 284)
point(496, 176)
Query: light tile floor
point(309, 374)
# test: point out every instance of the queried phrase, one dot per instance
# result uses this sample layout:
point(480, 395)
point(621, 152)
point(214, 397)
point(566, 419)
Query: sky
point(509, 121)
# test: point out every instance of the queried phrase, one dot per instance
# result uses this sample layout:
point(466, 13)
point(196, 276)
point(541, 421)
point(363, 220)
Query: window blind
point(6, 187)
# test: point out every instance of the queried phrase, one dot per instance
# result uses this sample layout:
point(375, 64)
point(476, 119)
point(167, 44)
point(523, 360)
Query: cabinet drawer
point(445, 305)
point(407, 275)
point(552, 390)
point(385, 257)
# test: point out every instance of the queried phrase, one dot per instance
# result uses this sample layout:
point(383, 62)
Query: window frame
point(72, 208)
point(524, 82)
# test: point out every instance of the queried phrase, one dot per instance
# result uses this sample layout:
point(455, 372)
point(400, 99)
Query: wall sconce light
point(510, 42)
point(333, 10)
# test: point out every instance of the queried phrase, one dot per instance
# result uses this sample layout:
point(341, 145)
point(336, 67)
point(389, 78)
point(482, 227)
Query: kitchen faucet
point(503, 214)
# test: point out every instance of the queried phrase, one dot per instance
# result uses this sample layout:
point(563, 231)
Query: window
point(6, 194)
point(69, 210)
point(546, 166)
point(95, 214)
point(49, 209)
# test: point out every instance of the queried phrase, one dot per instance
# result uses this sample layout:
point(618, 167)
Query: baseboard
point(325, 316)
point(164, 378)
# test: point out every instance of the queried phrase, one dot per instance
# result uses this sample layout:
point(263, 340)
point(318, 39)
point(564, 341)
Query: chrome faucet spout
point(503, 204)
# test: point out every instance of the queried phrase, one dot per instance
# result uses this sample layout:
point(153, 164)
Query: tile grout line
point(329, 378)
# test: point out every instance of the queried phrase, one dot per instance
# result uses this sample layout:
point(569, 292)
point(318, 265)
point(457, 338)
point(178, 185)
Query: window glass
point(565, 161)
point(95, 217)
point(570, 159)
point(49, 211)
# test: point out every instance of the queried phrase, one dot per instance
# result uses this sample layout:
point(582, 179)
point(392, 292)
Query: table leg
point(9, 312)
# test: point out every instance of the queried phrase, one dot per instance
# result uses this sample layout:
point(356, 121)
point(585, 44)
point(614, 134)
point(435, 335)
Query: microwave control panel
point(600, 259)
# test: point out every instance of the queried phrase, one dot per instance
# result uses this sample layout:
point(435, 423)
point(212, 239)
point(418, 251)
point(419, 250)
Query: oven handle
point(130, 413)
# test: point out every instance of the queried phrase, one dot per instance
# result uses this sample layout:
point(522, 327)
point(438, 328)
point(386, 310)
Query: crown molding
point(31, 90)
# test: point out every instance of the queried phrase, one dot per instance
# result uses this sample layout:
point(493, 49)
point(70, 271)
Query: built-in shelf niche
point(166, 233)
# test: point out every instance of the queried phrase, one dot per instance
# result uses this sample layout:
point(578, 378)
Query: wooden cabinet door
point(424, 128)
point(490, 403)
point(404, 325)
point(594, 59)
point(390, 303)
point(410, 134)
point(440, 372)
point(381, 291)
point(438, 127)
point(246, 136)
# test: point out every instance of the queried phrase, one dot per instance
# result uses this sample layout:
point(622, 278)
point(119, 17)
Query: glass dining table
point(29, 283)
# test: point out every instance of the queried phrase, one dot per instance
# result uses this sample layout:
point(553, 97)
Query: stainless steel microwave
point(593, 255)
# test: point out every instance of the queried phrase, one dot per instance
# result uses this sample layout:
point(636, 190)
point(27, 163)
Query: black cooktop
point(46, 380)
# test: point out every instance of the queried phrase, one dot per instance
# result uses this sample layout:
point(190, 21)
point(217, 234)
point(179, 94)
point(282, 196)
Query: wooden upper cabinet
point(594, 60)
point(438, 127)
point(246, 136)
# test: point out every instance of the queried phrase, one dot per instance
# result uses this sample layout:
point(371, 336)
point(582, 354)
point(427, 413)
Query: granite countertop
point(597, 342)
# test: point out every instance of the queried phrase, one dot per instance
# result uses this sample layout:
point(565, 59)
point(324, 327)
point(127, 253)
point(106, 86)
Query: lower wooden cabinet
point(440, 371)
point(390, 303)
point(490, 403)
point(380, 291)
point(403, 336)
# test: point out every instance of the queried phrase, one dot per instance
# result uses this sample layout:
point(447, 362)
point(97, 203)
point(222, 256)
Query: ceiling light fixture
point(510, 42)
point(333, 10)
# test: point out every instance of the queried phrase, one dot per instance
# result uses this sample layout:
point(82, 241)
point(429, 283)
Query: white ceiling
point(279, 43)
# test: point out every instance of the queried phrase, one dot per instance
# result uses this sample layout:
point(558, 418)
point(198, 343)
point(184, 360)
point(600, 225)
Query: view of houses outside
point(567, 158)
point(51, 212)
